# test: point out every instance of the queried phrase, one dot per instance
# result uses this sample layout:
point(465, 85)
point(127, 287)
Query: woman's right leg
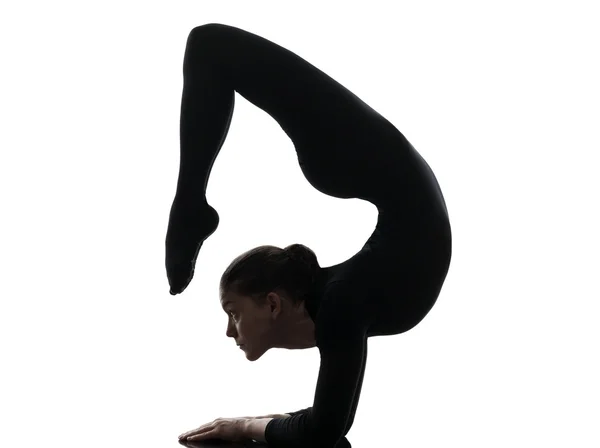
point(345, 148)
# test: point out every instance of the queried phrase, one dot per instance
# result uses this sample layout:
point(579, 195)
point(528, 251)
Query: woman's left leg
point(345, 148)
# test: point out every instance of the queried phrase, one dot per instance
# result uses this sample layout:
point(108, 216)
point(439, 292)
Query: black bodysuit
point(346, 150)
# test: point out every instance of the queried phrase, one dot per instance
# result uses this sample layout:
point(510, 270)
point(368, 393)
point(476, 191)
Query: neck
point(299, 331)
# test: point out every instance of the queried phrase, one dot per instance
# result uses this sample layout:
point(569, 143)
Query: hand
point(229, 429)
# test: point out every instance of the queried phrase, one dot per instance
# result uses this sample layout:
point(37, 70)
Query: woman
point(282, 297)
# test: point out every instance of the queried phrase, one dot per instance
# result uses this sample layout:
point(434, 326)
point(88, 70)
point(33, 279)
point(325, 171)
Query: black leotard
point(345, 149)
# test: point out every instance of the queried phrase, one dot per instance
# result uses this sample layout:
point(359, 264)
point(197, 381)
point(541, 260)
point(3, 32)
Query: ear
point(275, 303)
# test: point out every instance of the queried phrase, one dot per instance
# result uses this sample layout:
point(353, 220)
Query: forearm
point(254, 428)
point(275, 416)
point(268, 416)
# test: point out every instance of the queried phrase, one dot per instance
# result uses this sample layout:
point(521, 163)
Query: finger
point(187, 434)
point(199, 428)
point(196, 431)
point(212, 434)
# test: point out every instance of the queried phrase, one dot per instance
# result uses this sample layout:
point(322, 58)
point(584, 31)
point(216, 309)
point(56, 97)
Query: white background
point(502, 101)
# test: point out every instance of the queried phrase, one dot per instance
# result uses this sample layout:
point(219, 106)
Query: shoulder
point(340, 315)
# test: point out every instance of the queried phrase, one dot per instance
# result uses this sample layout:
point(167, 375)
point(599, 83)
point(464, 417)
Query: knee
point(208, 30)
point(204, 41)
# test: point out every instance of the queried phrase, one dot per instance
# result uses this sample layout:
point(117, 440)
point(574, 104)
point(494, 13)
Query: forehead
point(233, 299)
point(229, 299)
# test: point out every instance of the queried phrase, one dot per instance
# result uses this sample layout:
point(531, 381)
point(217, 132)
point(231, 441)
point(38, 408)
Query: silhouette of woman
point(345, 150)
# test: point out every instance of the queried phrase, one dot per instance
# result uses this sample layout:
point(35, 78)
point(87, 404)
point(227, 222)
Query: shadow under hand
point(216, 443)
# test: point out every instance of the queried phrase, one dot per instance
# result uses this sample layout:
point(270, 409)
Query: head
point(263, 292)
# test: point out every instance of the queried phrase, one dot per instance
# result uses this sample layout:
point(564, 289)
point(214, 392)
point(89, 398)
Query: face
point(253, 326)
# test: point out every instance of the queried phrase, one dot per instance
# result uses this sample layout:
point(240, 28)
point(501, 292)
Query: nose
point(230, 333)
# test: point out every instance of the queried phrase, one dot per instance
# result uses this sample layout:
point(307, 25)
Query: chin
point(253, 356)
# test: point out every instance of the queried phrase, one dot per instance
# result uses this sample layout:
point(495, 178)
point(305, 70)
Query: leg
point(344, 147)
point(206, 111)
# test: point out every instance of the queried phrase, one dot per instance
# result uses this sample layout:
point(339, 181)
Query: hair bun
point(301, 254)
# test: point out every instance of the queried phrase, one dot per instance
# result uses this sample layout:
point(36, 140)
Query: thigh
point(299, 96)
point(345, 148)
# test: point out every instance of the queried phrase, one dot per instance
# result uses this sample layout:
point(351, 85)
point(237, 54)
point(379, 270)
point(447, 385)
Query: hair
point(264, 269)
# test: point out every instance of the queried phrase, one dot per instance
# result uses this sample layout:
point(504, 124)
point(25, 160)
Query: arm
point(325, 423)
point(342, 342)
point(301, 411)
point(255, 428)
point(271, 416)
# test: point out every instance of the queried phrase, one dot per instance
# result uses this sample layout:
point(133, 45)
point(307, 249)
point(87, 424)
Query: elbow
point(325, 438)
